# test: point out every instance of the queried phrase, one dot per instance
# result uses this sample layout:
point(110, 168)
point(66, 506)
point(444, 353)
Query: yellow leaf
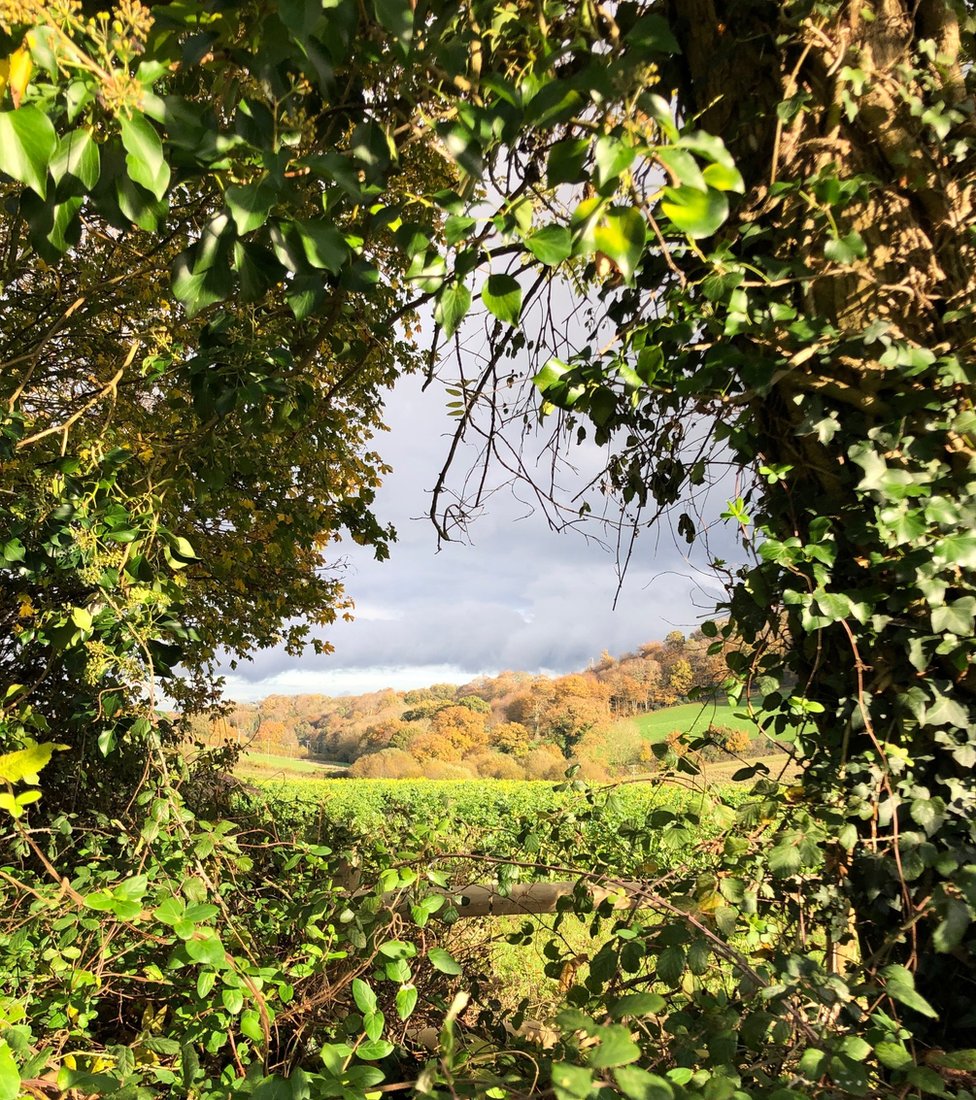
point(24, 764)
point(21, 67)
point(4, 74)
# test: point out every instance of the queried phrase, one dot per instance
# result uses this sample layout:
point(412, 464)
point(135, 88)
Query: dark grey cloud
point(516, 595)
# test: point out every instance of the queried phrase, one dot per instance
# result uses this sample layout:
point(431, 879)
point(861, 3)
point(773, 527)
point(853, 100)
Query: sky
point(516, 595)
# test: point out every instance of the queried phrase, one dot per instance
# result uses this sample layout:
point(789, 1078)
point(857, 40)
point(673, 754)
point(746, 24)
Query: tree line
point(513, 725)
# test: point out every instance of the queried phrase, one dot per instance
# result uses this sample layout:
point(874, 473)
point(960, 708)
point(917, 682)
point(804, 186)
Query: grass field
point(259, 765)
point(690, 718)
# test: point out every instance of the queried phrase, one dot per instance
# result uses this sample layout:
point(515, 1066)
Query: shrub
point(387, 764)
point(494, 765)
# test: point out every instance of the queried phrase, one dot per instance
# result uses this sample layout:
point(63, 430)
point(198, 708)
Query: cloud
point(518, 595)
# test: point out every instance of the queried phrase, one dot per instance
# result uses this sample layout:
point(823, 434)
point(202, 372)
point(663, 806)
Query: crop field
point(614, 830)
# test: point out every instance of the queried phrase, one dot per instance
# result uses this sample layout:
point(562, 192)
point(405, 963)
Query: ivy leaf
point(956, 617)
point(845, 250)
point(453, 303)
point(551, 244)
point(27, 143)
point(697, 213)
point(502, 295)
point(75, 165)
point(323, 244)
point(682, 167)
point(566, 161)
point(145, 162)
point(612, 156)
point(249, 205)
point(621, 238)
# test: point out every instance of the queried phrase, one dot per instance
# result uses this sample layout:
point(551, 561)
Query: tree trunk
point(873, 415)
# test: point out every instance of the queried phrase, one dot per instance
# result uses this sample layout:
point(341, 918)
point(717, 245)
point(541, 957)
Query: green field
point(691, 718)
point(260, 765)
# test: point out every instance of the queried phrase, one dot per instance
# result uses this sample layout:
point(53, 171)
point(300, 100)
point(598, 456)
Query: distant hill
point(514, 725)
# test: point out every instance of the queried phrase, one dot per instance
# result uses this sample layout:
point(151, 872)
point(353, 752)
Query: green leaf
point(207, 949)
point(616, 1048)
point(621, 237)
point(443, 961)
point(707, 145)
point(956, 617)
point(82, 618)
point(571, 1082)
point(406, 1001)
point(452, 305)
point(963, 1061)
point(75, 165)
point(566, 161)
point(9, 1074)
point(845, 250)
point(612, 156)
point(551, 244)
point(456, 229)
point(374, 1049)
point(637, 1004)
point(27, 144)
point(785, 858)
point(834, 606)
point(900, 986)
point(956, 918)
point(141, 208)
point(671, 964)
point(145, 162)
point(324, 245)
point(249, 205)
point(251, 1025)
point(364, 997)
point(724, 177)
point(638, 1084)
point(682, 167)
point(652, 32)
point(697, 213)
point(893, 1055)
point(502, 295)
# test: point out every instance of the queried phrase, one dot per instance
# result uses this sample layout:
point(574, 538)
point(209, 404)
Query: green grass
point(260, 765)
point(690, 718)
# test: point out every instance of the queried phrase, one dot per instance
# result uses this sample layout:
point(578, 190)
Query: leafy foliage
point(768, 205)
